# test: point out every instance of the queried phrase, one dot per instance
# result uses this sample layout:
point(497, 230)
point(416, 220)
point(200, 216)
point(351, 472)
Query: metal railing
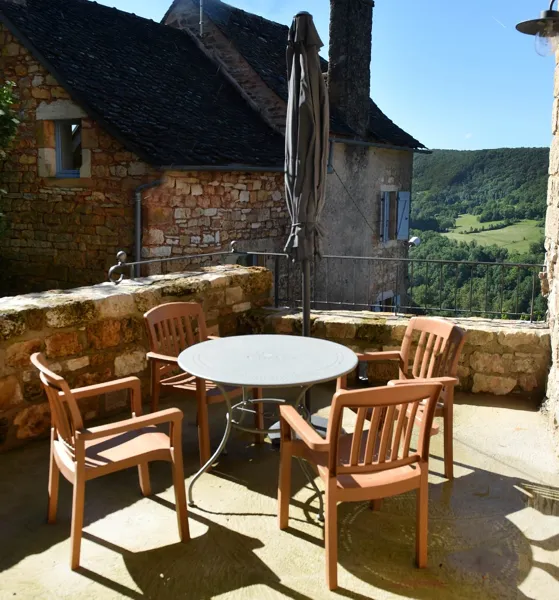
point(398, 285)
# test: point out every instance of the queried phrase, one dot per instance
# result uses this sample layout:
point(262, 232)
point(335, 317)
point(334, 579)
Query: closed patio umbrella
point(306, 149)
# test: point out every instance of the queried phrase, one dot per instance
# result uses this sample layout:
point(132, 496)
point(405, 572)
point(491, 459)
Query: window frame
point(394, 216)
point(64, 173)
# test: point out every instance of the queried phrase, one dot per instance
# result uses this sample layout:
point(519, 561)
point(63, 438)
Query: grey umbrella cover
point(306, 139)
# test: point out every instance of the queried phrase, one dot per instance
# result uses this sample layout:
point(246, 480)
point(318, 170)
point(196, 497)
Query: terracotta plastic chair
point(367, 464)
point(82, 454)
point(171, 329)
point(439, 345)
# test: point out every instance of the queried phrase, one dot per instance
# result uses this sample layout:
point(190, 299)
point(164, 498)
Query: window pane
point(69, 147)
point(393, 216)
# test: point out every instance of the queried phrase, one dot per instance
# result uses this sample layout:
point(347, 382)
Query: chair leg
point(258, 416)
point(143, 473)
point(331, 536)
point(203, 424)
point(422, 524)
point(448, 443)
point(78, 501)
point(54, 480)
point(180, 495)
point(375, 504)
point(155, 386)
point(284, 484)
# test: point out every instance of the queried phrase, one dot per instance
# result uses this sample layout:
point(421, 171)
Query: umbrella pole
point(306, 287)
point(306, 300)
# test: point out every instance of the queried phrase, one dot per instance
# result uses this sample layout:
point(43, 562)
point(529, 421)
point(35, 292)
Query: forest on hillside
point(500, 187)
point(502, 184)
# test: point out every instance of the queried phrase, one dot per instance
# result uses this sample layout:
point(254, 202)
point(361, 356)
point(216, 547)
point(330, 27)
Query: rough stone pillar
point(349, 70)
point(552, 255)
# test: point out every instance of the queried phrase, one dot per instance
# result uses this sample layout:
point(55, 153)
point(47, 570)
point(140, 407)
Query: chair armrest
point(444, 380)
point(127, 383)
point(169, 415)
point(374, 356)
point(162, 357)
point(307, 434)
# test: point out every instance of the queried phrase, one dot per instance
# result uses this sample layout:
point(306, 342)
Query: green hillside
point(505, 184)
point(517, 237)
point(483, 206)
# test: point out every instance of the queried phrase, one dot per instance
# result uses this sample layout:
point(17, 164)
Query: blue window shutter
point(385, 216)
point(403, 215)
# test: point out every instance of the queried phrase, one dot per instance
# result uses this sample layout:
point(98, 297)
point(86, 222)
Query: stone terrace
point(493, 531)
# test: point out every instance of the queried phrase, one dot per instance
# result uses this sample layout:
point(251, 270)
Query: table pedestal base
point(243, 406)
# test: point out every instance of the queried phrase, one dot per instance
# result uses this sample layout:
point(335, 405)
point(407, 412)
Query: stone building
point(188, 124)
point(552, 260)
point(371, 158)
point(110, 102)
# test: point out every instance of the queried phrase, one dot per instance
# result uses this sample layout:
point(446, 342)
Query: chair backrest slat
point(386, 444)
point(419, 352)
point(397, 440)
point(373, 435)
point(175, 326)
point(411, 413)
point(65, 413)
point(386, 434)
point(356, 442)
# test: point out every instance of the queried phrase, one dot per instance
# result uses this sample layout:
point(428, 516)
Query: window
point(394, 216)
point(68, 148)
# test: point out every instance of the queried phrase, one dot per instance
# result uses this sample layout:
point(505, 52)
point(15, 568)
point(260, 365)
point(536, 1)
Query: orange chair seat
point(125, 446)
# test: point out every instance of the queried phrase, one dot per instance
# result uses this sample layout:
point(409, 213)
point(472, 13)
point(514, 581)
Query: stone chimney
point(349, 69)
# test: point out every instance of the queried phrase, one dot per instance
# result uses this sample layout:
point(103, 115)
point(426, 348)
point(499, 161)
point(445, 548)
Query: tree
point(8, 128)
point(8, 119)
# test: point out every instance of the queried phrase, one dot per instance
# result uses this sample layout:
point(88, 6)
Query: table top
point(267, 360)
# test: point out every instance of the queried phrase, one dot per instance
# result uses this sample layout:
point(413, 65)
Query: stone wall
point(66, 232)
point(499, 357)
point(61, 232)
point(95, 334)
point(552, 264)
point(353, 192)
point(193, 212)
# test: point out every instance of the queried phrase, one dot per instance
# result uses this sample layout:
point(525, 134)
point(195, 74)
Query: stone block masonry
point(203, 211)
point(96, 334)
point(552, 261)
point(62, 233)
point(499, 357)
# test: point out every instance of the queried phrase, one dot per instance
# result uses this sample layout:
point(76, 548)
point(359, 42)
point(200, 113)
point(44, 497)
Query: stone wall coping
point(107, 289)
point(499, 357)
point(65, 308)
point(390, 319)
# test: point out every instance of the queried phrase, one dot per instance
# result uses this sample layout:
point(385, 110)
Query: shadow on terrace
point(492, 531)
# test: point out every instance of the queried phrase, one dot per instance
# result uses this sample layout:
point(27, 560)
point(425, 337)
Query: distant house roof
point(263, 43)
point(149, 85)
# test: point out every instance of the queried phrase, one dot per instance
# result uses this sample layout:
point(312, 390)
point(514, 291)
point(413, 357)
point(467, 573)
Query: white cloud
point(469, 136)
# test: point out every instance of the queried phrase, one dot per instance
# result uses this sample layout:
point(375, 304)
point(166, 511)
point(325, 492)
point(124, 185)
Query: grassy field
point(516, 238)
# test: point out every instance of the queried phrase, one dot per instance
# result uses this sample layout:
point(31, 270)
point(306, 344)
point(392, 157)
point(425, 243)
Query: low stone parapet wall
point(96, 334)
point(499, 357)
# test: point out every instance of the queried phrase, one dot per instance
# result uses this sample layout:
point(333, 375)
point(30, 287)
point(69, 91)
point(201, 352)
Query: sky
point(453, 74)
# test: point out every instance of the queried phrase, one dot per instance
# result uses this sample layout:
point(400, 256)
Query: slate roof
point(262, 43)
point(148, 84)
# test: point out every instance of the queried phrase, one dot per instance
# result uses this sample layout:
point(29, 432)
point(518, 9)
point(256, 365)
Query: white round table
point(263, 361)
